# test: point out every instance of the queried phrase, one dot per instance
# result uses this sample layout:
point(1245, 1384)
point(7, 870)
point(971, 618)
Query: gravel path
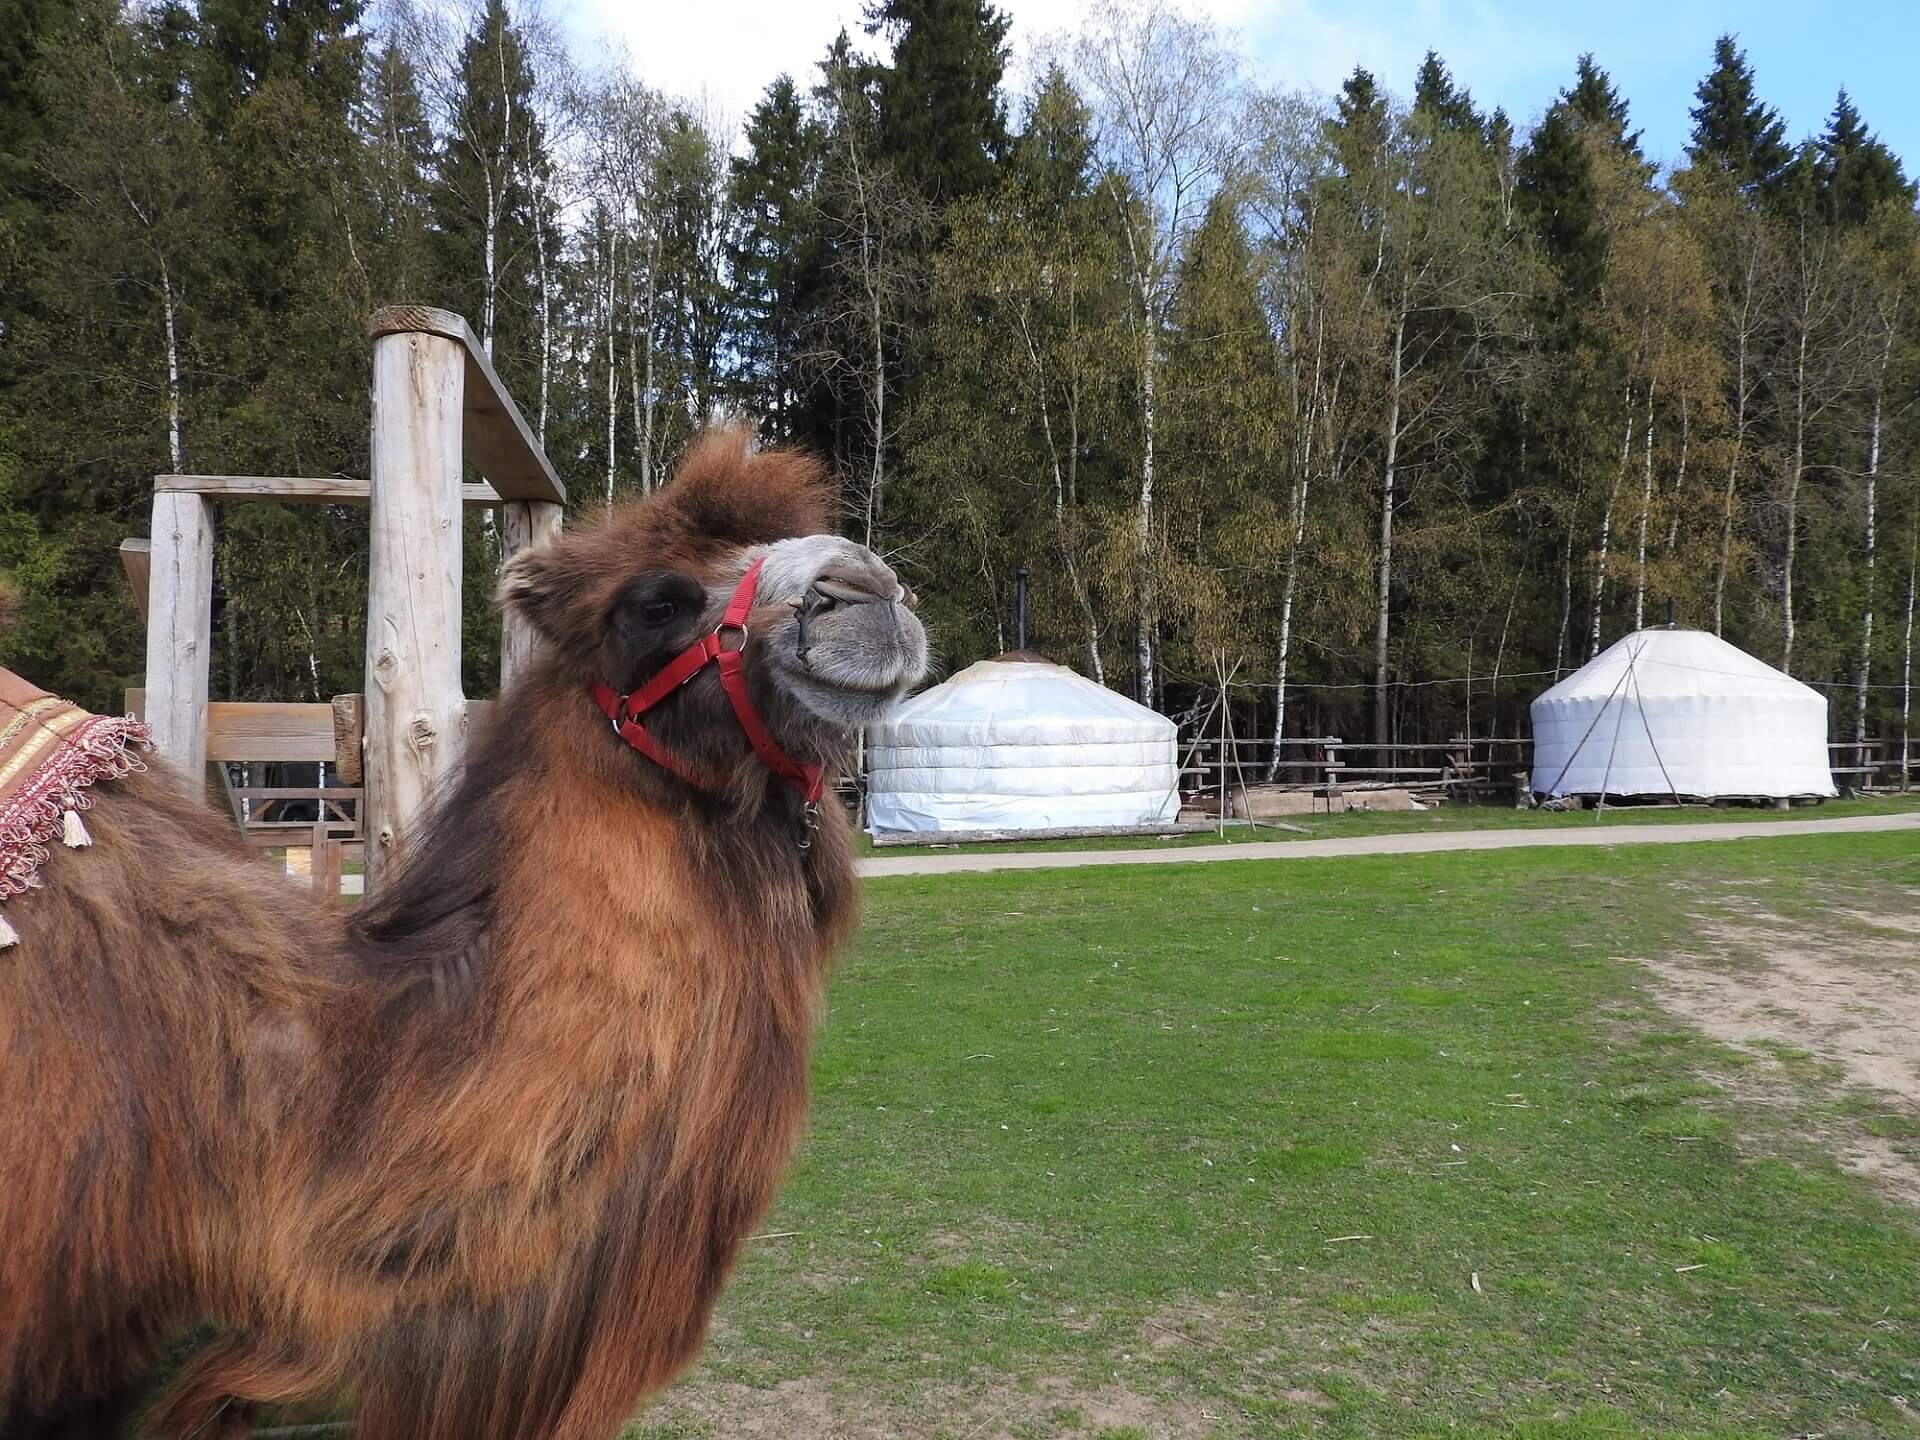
point(1602, 833)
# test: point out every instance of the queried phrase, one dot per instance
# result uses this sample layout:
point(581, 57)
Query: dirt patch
point(1843, 994)
point(995, 1410)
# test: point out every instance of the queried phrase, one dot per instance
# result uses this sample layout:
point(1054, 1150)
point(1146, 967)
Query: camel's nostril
point(846, 589)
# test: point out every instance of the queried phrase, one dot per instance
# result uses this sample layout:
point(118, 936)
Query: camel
point(475, 1160)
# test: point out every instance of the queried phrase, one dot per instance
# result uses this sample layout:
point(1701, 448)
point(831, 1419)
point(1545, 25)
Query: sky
point(1512, 53)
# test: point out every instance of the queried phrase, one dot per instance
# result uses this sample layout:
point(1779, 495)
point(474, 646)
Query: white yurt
point(1018, 743)
point(1680, 712)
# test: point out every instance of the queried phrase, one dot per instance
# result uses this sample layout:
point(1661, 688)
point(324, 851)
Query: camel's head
point(831, 642)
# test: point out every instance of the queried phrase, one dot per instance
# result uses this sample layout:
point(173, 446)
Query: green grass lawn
point(1447, 817)
point(1369, 1147)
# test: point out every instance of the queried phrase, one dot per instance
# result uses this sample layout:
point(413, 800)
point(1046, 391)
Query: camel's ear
point(542, 585)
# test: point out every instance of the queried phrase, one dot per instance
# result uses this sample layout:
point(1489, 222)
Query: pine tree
point(941, 119)
point(1733, 132)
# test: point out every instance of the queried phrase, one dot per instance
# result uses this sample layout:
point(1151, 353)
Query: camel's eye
point(658, 612)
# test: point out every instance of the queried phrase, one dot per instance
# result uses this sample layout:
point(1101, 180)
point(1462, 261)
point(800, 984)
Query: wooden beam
point(414, 713)
point(180, 630)
point(526, 523)
point(302, 489)
point(136, 558)
point(498, 443)
point(221, 796)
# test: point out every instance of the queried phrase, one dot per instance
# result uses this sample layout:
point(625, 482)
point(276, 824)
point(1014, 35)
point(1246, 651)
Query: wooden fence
point(1464, 768)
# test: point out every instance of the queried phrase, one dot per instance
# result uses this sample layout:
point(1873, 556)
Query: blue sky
point(1513, 53)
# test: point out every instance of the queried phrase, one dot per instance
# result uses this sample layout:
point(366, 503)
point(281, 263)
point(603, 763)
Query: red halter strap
point(625, 710)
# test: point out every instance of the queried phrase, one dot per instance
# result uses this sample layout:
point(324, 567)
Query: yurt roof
point(1673, 663)
point(1019, 702)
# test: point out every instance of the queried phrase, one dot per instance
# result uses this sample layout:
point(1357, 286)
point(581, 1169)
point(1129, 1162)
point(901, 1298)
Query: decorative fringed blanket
point(50, 753)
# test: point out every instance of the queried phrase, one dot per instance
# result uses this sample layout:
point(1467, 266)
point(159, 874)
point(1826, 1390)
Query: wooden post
point(415, 712)
point(349, 756)
point(180, 631)
point(525, 524)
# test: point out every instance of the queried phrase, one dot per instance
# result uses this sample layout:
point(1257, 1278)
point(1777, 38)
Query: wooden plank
point(498, 443)
point(180, 630)
point(302, 489)
point(349, 738)
point(240, 730)
point(413, 711)
point(525, 524)
point(136, 558)
point(326, 867)
point(297, 792)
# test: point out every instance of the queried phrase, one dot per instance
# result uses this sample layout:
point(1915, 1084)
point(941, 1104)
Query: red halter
point(625, 710)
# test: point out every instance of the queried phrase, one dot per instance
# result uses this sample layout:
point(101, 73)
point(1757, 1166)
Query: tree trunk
point(489, 254)
point(613, 365)
point(652, 391)
point(1606, 533)
point(1383, 589)
point(1646, 513)
point(1793, 499)
point(1679, 480)
point(1297, 518)
point(1906, 662)
point(1725, 558)
point(1566, 600)
point(1143, 511)
point(546, 309)
point(175, 451)
point(1866, 615)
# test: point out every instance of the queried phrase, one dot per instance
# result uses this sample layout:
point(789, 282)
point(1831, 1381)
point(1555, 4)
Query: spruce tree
point(941, 119)
point(773, 258)
point(483, 203)
point(1361, 124)
point(1598, 107)
point(1733, 132)
point(1052, 159)
point(1447, 107)
point(1853, 171)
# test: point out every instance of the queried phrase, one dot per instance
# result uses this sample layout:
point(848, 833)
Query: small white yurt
point(1683, 713)
point(1017, 743)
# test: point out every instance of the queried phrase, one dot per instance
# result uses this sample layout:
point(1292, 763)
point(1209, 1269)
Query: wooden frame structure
point(438, 407)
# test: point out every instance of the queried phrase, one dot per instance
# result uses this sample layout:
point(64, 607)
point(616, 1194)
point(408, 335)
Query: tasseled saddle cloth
point(50, 753)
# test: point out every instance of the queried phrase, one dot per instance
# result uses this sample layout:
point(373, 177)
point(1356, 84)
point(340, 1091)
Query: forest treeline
point(1399, 406)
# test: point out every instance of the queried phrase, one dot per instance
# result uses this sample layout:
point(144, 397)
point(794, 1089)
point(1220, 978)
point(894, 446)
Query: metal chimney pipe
point(1020, 608)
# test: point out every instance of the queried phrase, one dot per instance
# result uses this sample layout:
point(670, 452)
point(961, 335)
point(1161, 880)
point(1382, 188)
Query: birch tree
point(1165, 92)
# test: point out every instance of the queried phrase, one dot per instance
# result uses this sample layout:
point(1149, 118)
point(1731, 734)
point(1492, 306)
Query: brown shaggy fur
point(477, 1161)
